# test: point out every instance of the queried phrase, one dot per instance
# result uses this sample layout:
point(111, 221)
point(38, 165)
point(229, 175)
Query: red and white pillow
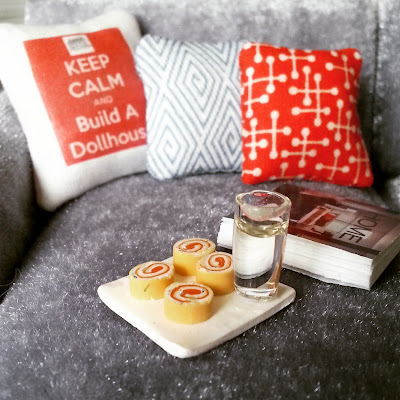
point(79, 99)
point(299, 115)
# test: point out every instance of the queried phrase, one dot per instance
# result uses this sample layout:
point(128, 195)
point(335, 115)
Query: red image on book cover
point(340, 222)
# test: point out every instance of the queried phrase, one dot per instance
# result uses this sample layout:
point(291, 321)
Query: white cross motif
point(359, 160)
point(270, 88)
point(263, 143)
point(257, 56)
point(284, 166)
point(318, 110)
point(305, 132)
point(263, 99)
point(330, 67)
point(334, 168)
point(255, 172)
point(338, 127)
point(293, 58)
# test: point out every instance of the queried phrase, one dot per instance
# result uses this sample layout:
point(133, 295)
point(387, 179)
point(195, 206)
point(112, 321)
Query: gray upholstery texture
point(390, 190)
point(17, 199)
point(59, 341)
point(387, 113)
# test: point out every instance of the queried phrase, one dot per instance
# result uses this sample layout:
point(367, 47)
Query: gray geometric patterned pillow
point(193, 117)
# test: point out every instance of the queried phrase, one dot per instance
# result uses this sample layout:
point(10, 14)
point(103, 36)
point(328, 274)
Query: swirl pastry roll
point(188, 302)
point(216, 271)
point(150, 279)
point(187, 252)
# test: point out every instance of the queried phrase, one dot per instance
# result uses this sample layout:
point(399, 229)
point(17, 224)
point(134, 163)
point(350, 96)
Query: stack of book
point(332, 238)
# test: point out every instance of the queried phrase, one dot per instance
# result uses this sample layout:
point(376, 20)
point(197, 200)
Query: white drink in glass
point(259, 239)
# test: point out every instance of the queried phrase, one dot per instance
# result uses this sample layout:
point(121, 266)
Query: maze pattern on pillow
point(300, 120)
point(193, 106)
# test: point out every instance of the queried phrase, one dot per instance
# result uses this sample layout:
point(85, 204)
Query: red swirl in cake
point(194, 245)
point(218, 262)
point(187, 252)
point(188, 302)
point(150, 279)
point(188, 292)
point(152, 270)
point(216, 271)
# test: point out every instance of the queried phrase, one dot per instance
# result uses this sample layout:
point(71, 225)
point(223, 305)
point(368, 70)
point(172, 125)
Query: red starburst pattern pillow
point(299, 115)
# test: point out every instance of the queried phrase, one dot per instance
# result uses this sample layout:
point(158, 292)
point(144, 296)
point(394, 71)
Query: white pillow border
point(55, 182)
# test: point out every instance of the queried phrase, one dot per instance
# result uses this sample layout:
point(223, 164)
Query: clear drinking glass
point(259, 238)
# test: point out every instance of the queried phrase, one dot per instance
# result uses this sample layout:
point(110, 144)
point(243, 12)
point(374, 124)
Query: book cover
point(343, 223)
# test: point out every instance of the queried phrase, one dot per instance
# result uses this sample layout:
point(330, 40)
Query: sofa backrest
point(385, 141)
point(323, 24)
point(369, 25)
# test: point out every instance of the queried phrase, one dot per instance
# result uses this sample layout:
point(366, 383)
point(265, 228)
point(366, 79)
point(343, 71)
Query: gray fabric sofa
point(59, 341)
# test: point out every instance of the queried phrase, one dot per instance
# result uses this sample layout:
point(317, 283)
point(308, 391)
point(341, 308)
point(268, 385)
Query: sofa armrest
point(17, 197)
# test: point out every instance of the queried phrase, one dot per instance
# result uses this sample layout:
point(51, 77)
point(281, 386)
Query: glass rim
point(276, 210)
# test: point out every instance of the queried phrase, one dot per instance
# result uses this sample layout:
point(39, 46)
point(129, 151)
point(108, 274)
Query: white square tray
point(232, 315)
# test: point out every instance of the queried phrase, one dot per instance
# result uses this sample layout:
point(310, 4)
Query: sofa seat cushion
point(59, 340)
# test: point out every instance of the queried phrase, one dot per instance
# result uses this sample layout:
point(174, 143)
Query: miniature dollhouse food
point(187, 252)
point(216, 271)
point(188, 302)
point(150, 279)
